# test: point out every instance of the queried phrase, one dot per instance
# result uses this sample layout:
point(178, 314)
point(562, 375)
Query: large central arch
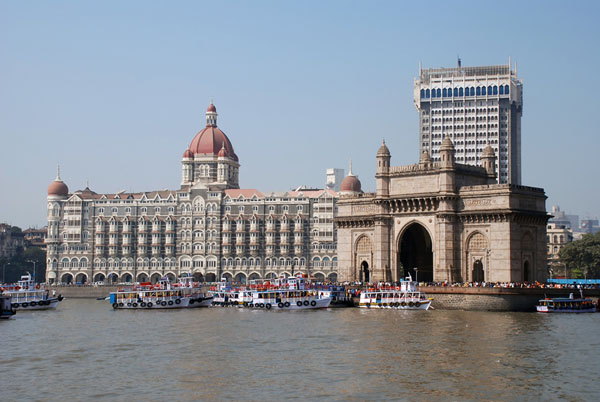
point(415, 254)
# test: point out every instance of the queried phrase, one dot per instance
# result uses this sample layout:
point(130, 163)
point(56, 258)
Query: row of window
point(468, 91)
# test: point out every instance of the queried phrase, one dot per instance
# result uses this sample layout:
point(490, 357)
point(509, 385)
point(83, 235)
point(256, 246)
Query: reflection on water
point(86, 350)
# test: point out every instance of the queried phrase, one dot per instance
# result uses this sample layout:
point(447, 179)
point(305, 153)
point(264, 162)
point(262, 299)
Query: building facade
point(208, 227)
point(441, 221)
point(557, 236)
point(474, 107)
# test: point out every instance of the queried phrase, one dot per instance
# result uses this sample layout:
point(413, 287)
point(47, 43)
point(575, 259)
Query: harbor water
point(85, 350)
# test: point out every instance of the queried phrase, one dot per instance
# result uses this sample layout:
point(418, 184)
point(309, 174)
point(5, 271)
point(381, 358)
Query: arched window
point(445, 92)
point(478, 91)
point(501, 89)
point(439, 93)
point(472, 91)
point(489, 90)
point(483, 90)
point(506, 90)
point(460, 92)
point(427, 93)
point(422, 93)
point(456, 91)
point(495, 90)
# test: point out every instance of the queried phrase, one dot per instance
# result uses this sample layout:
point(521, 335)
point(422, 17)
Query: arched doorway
point(142, 278)
point(332, 277)
point(99, 278)
point(211, 277)
point(365, 274)
point(526, 271)
point(477, 273)
point(81, 279)
point(198, 277)
point(240, 278)
point(67, 279)
point(254, 277)
point(126, 278)
point(155, 278)
point(415, 255)
point(113, 278)
point(319, 277)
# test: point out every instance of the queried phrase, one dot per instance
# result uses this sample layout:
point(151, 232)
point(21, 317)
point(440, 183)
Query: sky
point(114, 91)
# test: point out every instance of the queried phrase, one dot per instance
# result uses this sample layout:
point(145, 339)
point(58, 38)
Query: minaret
point(383, 167)
point(447, 176)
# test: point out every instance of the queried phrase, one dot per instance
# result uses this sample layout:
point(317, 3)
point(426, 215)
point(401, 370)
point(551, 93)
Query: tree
point(582, 257)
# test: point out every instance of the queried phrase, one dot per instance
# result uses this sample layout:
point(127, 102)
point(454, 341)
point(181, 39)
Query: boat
point(567, 305)
point(27, 295)
point(193, 289)
point(147, 296)
point(224, 294)
point(403, 297)
point(6, 308)
point(338, 294)
point(288, 299)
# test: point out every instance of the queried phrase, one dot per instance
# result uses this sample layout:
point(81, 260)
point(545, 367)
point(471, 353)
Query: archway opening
point(99, 278)
point(319, 277)
point(416, 254)
point(126, 278)
point(254, 277)
point(478, 274)
point(67, 279)
point(365, 274)
point(142, 278)
point(198, 277)
point(81, 279)
point(526, 271)
point(240, 278)
point(211, 277)
point(333, 277)
point(155, 278)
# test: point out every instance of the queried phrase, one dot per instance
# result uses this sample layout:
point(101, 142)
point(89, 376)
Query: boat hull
point(152, 304)
point(200, 302)
point(49, 304)
point(545, 309)
point(319, 303)
point(422, 305)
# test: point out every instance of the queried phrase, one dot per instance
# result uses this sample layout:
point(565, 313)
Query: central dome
point(211, 139)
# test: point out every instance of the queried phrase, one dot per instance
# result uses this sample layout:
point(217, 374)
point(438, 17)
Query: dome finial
point(350, 171)
point(58, 172)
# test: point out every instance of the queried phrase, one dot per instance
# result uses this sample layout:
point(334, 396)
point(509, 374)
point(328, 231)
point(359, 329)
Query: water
point(86, 350)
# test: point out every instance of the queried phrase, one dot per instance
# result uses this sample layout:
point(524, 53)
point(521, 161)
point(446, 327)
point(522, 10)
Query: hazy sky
point(115, 91)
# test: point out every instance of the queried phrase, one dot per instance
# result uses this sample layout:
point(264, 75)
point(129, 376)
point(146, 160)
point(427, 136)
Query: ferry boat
point(197, 297)
point(223, 294)
point(26, 295)
point(147, 296)
point(566, 305)
point(339, 297)
point(289, 299)
point(6, 308)
point(403, 297)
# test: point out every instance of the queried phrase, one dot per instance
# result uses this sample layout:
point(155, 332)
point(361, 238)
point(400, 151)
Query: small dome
point(211, 108)
point(350, 184)
point(447, 144)
point(383, 150)
point(425, 158)
point(488, 152)
point(223, 152)
point(188, 154)
point(58, 187)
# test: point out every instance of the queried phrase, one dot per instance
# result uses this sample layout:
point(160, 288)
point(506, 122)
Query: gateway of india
point(209, 227)
point(441, 221)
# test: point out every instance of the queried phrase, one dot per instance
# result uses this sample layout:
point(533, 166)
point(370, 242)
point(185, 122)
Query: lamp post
point(3, 269)
point(33, 261)
point(416, 274)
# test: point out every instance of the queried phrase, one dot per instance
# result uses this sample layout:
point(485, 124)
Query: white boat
point(6, 308)
point(567, 305)
point(197, 297)
point(289, 299)
point(403, 297)
point(146, 296)
point(27, 295)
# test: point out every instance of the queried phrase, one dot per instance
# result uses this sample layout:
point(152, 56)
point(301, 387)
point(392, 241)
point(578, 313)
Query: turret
point(447, 176)
point(488, 161)
point(383, 168)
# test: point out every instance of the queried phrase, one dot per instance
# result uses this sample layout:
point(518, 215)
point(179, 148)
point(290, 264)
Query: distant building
point(589, 226)
point(474, 107)
point(334, 179)
point(209, 227)
point(560, 218)
point(557, 236)
point(35, 237)
point(11, 239)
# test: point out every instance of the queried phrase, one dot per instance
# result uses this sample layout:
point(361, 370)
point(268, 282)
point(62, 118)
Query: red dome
point(58, 187)
point(209, 141)
point(350, 184)
point(188, 154)
point(211, 108)
point(222, 153)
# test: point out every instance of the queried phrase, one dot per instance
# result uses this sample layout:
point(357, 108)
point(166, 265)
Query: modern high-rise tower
point(473, 106)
